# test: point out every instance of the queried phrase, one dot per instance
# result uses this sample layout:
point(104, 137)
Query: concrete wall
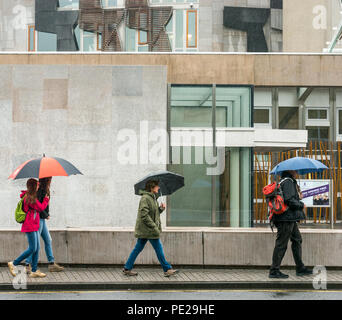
point(299, 70)
point(14, 18)
point(77, 113)
point(185, 246)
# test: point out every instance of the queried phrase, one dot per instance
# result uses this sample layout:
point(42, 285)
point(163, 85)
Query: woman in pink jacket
point(32, 207)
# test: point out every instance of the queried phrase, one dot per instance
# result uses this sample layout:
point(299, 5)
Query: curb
point(171, 285)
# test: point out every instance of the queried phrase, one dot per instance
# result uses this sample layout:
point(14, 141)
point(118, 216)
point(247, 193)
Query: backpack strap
point(282, 180)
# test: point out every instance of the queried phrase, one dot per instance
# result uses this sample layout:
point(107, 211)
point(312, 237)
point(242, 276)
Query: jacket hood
point(151, 194)
point(23, 192)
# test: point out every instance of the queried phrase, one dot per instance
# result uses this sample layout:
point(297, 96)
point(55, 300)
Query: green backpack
point(20, 214)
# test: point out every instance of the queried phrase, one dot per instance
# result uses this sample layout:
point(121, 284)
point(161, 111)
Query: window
point(318, 133)
point(223, 200)
point(317, 116)
point(262, 117)
point(47, 41)
point(68, 4)
point(99, 41)
point(90, 41)
point(142, 41)
point(31, 38)
point(175, 2)
point(182, 30)
point(113, 3)
point(191, 106)
point(191, 29)
point(288, 118)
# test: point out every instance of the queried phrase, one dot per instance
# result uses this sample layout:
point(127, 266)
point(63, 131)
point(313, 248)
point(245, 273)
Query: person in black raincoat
point(287, 227)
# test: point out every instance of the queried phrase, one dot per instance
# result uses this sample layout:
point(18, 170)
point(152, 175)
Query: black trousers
point(287, 230)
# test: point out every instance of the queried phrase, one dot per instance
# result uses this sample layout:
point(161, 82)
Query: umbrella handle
point(161, 194)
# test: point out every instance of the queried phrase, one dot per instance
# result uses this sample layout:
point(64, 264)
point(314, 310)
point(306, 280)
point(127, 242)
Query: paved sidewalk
point(111, 278)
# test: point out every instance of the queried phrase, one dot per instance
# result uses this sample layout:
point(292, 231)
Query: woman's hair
point(31, 194)
point(286, 174)
point(150, 184)
point(44, 185)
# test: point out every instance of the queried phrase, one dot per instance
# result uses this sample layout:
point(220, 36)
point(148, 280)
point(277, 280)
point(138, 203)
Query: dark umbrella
point(44, 167)
point(169, 182)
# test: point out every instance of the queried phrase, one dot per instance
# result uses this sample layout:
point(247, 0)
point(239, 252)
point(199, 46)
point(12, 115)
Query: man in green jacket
point(148, 228)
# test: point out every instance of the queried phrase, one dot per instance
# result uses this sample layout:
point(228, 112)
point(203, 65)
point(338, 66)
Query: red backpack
point(274, 198)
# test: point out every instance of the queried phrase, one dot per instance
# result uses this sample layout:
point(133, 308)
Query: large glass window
point(233, 106)
point(223, 199)
point(191, 106)
point(191, 206)
point(233, 191)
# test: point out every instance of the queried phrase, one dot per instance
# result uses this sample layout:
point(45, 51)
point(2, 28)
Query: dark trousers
point(287, 230)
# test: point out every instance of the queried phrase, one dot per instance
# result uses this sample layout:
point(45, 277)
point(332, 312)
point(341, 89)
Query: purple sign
point(315, 191)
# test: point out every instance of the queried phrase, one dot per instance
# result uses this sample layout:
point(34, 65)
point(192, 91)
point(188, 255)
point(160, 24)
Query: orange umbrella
point(44, 167)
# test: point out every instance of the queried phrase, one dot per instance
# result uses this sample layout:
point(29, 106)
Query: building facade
point(125, 87)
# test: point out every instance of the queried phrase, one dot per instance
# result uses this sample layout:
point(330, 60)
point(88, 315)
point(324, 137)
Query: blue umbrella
point(299, 164)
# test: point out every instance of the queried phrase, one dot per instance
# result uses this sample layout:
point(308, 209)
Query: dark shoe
point(304, 272)
point(129, 272)
point(277, 275)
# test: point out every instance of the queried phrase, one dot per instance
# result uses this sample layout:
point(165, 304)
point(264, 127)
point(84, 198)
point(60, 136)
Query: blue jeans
point(32, 250)
point(158, 248)
point(45, 234)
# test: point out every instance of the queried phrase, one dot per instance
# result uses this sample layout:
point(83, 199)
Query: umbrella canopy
point(300, 164)
point(169, 182)
point(44, 167)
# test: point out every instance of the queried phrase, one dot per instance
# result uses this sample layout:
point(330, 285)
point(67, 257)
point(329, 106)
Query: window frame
point(29, 27)
point(142, 43)
point(96, 41)
point(317, 122)
point(187, 29)
point(263, 125)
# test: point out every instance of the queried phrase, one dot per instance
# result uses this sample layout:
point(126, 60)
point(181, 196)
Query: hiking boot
point(37, 274)
point(129, 272)
point(12, 268)
point(303, 272)
point(277, 275)
point(170, 272)
point(54, 267)
point(28, 268)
